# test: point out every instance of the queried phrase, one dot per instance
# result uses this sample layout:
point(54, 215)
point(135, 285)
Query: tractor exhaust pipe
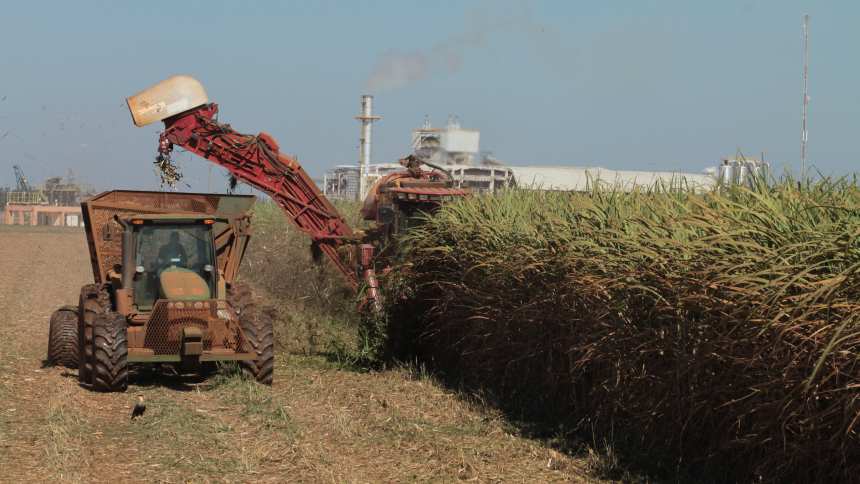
point(128, 268)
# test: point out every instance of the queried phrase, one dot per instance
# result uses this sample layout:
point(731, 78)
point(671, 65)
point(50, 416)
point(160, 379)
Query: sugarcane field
point(484, 241)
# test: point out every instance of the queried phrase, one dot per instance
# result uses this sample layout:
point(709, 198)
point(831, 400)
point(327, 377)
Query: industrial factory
point(452, 147)
point(457, 150)
point(56, 202)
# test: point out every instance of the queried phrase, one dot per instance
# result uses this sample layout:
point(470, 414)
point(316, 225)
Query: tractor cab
point(174, 259)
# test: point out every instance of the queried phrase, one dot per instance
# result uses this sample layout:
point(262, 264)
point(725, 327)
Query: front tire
point(95, 300)
point(110, 352)
point(63, 337)
point(256, 325)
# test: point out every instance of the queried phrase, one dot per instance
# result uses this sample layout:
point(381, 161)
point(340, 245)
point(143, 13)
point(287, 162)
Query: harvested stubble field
point(713, 336)
point(322, 421)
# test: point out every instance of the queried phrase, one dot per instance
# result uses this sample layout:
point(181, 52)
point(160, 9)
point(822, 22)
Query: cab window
point(162, 246)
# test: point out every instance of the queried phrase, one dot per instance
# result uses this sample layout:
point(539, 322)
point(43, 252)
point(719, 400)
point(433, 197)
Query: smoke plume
point(395, 69)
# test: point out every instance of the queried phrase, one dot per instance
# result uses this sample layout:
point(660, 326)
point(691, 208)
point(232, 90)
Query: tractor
point(165, 292)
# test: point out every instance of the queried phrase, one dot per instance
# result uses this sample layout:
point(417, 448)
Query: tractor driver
point(172, 253)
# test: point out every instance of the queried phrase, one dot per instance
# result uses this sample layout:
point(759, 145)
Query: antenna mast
point(804, 132)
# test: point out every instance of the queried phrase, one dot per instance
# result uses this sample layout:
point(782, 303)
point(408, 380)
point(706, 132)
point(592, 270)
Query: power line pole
point(804, 133)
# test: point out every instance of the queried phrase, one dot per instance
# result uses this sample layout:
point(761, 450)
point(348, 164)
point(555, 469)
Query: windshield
point(159, 247)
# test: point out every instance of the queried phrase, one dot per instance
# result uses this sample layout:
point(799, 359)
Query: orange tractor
point(165, 264)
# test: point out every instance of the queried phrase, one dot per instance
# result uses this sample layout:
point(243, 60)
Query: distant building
point(53, 215)
point(451, 145)
point(452, 148)
point(457, 150)
point(56, 203)
point(741, 170)
point(580, 179)
point(341, 182)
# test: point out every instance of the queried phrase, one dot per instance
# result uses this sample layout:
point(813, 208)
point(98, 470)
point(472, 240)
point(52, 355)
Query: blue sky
point(627, 85)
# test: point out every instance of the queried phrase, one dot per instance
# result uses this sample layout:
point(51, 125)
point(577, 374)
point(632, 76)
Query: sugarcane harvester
point(165, 264)
point(191, 123)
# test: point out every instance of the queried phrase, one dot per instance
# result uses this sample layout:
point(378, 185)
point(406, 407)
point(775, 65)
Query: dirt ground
point(317, 423)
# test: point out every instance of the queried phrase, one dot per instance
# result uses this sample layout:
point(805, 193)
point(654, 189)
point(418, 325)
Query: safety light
point(208, 221)
point(137, 221)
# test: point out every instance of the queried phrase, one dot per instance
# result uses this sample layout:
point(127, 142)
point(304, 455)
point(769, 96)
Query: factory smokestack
point(364, 156)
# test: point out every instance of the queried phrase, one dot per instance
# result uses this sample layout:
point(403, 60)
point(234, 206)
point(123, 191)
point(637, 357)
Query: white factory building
point(452, 147)
point(580, 179)
point(457, 150)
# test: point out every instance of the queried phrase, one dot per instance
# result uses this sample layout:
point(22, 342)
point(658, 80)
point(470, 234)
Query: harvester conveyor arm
point(257, 161)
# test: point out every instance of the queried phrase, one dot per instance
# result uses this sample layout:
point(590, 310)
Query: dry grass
point(375, 424)
point(317, 423)
point(64, 429)
point(392, 427)
point(314, 306)
point(713, 333)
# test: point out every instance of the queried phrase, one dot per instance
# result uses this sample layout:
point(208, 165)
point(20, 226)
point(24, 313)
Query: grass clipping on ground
point(715, 331)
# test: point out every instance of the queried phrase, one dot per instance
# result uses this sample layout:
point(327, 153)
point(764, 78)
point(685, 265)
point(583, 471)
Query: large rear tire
point(259, 336)
point(110, 351)
point(95, 300)
point(63, 337)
